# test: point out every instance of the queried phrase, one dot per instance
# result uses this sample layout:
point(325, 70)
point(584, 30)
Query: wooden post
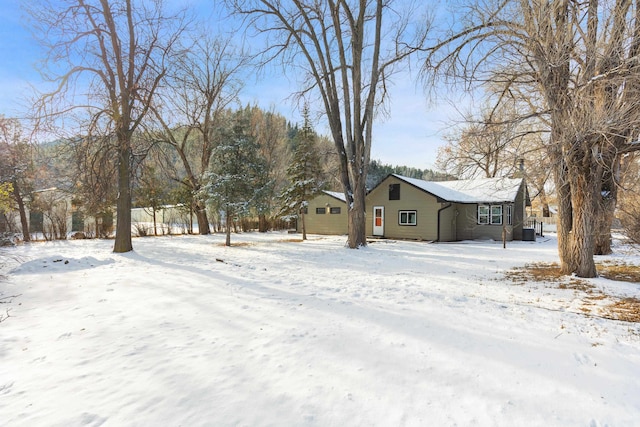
point(504, 236)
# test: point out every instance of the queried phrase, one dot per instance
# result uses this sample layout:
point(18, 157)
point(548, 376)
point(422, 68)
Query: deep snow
point(186, 332)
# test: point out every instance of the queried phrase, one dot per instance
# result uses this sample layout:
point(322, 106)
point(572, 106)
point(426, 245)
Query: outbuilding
point(326, 214)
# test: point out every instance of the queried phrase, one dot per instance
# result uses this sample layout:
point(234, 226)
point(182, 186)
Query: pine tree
point(305, 173)
point(235, 182)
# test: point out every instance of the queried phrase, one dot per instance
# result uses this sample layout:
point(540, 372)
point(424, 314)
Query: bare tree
point(499, 142)
point(629, 208)
point(485, 146)
point(115, 52)
point(348, 51)
point(95, 174)
point(54, 206)
point(574, 64)
point(203, 83)
point(16, 166)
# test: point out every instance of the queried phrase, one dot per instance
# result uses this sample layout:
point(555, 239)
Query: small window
point(394, 191)
point(321, 211)
point(335, 210)
point(509, 215)
point(407, 218)
point(483, 214)
point(496, 214)
point(490, 214)
point(304, 210)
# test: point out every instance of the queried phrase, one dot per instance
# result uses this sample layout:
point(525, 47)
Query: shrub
point(629, 215)
point(142, 230)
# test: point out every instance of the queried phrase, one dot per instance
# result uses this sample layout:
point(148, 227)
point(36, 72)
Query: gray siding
point(519, 213)
point(469, 229)
point(448, 223)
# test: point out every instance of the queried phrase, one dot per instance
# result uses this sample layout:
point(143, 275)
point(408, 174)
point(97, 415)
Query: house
point(326, 214)
point(409, 208)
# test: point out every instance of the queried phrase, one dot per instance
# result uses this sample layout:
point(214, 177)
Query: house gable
point(409, 212)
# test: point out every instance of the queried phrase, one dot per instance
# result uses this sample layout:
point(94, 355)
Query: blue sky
point(410, 135)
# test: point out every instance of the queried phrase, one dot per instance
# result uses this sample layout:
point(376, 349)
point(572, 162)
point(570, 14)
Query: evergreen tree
point(235, 182)
point(305, 173)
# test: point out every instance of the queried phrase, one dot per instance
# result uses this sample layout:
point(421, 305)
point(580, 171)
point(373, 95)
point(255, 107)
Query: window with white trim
point(496, 214)
point(483, 214)
point(407, 217)
point(509, 215)
point(490, 214)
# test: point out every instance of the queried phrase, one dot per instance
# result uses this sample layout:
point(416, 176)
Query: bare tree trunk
point(123, 226)
point(23, 214)
point(227, 241)
point(263, 224)
point(544, 201)
point(304, 227)
point(565, 216)
point(606, 205)
point(603, 225)
point(155, 224)
point(202, 218)
point(582, 233)
point(357, 218)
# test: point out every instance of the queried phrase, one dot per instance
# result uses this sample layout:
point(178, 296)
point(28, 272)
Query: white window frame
point(509, 214)
point(490, 214)
point(496, 214)
point(408, 216)
point(484, 214)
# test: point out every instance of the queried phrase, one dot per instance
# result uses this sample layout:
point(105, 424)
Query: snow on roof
point(336, 195)
point(482, 190)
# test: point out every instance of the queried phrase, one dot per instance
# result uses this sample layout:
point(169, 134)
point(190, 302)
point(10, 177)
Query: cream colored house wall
point(325, 223)
point(411, 199)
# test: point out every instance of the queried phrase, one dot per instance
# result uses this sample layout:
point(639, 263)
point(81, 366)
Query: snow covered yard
point(271, 332)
